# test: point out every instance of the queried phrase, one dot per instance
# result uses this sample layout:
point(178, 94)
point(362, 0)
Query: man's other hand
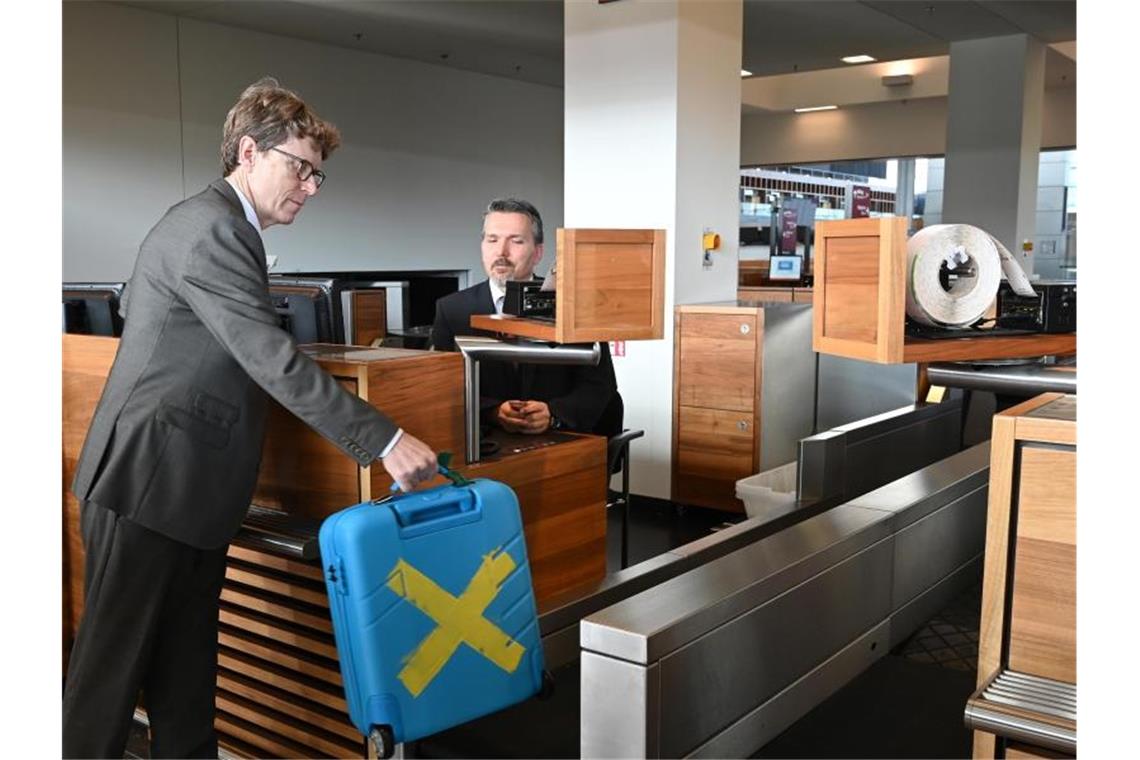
point(410, 462)
point(510, 416)
point(536, 417)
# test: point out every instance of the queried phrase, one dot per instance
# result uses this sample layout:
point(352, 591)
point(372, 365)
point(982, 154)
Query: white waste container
point(766, 491)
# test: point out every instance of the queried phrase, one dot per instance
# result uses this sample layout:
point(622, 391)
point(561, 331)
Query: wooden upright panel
point(87, 361)
point(1028, 621)
point(717, 361)
point(369, 316)
point(859, 294)
point(1043, 616)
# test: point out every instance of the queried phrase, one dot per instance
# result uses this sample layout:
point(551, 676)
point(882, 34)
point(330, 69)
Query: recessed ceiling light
point(857, 59)
point(816, 108)
point(745, 73)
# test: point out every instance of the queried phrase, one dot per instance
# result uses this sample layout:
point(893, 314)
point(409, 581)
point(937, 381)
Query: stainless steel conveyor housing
point(718, 660)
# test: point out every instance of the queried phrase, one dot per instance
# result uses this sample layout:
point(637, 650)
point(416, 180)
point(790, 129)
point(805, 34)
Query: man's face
point(509, 250)
point(277, 193)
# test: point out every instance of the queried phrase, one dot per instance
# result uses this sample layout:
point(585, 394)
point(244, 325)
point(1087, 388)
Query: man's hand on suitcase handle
point(410, 462)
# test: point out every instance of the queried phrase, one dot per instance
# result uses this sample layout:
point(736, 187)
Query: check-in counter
point(279, 689)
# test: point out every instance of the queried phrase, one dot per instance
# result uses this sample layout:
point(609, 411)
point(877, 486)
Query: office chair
point(617, 457)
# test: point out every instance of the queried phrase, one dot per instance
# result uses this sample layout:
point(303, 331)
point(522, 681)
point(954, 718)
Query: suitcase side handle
point(436, 510)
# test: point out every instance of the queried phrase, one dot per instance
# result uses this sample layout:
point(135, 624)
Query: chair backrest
point(610, 423)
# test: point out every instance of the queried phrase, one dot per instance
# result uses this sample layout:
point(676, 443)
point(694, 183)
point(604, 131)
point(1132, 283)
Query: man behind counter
point(525, 398)
point(171, 458)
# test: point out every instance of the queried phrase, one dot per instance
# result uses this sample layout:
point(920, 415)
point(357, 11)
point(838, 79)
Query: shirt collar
point(250, 214)
point(497, 292)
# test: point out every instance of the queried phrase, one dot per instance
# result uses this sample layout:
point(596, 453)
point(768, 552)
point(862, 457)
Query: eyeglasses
point(305, 169)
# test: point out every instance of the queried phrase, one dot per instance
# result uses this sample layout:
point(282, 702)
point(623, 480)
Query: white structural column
point(652, 140)
point(993, 137)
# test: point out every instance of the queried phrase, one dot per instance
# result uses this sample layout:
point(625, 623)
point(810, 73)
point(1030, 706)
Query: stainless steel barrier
point(1013, 379)
point(852, 459)
point(717, 661)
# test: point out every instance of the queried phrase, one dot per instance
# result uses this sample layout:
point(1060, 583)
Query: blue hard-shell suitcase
point(432, 608)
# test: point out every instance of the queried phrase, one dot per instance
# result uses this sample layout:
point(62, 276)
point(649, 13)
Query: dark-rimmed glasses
point(305, 169)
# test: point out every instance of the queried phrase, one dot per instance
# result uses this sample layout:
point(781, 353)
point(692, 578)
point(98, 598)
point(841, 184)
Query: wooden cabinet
point(728, 359)
point(1027, 645)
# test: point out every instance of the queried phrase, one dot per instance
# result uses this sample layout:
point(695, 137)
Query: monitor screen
point(304, 309)
point(784, 267)
point(92, 308)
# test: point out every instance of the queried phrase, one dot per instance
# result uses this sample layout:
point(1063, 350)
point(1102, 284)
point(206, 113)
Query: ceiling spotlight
point(816, 108)
point(898, 80)
point(857, 59)
point(745, 73)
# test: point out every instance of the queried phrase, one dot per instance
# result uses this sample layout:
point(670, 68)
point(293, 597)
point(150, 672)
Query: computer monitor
point(785, 268)
point(304, 308)
point(92, 308)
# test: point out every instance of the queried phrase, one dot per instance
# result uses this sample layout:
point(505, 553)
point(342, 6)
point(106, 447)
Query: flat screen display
point(784, 267)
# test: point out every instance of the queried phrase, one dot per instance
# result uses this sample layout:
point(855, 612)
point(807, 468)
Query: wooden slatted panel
point(282, 678)
point(275, 562)
point(321, 644)
point(277, 606)
point(279, 699)
point(262, 742)
point(270, 580)
point(320, 743)
point(280, 654)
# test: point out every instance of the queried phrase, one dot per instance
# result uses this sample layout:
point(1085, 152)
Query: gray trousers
point(150, 624)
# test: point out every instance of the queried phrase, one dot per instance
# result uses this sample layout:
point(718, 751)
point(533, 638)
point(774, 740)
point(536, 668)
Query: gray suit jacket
point(176, 439)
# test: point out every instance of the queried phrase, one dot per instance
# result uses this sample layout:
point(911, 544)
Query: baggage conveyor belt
point(902, 575)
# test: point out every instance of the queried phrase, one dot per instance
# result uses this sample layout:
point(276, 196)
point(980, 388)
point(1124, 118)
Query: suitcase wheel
point(383, 740)
point(546, 691)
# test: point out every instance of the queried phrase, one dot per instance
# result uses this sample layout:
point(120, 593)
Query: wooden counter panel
point(269, 580)
point(309, 712)
point(1047, 491)
point(1043, 615)
point(86, 362)
point(850, 311)
point(271, 651)
point(718, 361)
point(310, 688)
point(263, 625)
point(425, 398)
point(988, 347)
point(562, 497)
point(263, 720)
point(282, 608)
point(278, 563)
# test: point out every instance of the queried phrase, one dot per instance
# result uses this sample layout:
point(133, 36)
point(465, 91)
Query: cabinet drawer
point(717, 361)
point(715, 448)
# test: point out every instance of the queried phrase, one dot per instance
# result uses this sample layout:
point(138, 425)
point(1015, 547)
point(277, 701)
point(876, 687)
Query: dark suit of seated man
point(527, 398)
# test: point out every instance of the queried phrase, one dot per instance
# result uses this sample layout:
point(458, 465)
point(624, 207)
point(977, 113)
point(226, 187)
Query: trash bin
point(764, 492)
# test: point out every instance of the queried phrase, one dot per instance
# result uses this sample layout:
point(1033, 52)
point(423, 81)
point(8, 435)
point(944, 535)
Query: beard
point(501, 278)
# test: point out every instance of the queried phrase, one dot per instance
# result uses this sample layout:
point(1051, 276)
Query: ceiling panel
point(948, 20)
point(784, 36)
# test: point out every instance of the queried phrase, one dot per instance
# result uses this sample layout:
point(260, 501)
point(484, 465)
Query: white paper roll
point(962, 249)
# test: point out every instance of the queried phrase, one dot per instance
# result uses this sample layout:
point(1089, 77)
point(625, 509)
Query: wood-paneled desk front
point(279, 689)
point(1027, 658)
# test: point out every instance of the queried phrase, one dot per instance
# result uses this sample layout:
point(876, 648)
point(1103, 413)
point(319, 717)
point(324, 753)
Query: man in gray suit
point(170, 461)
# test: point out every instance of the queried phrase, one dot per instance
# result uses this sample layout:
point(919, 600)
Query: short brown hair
point(271, 114)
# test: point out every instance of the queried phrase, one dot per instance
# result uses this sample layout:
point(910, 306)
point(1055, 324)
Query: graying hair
point(517, 206)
